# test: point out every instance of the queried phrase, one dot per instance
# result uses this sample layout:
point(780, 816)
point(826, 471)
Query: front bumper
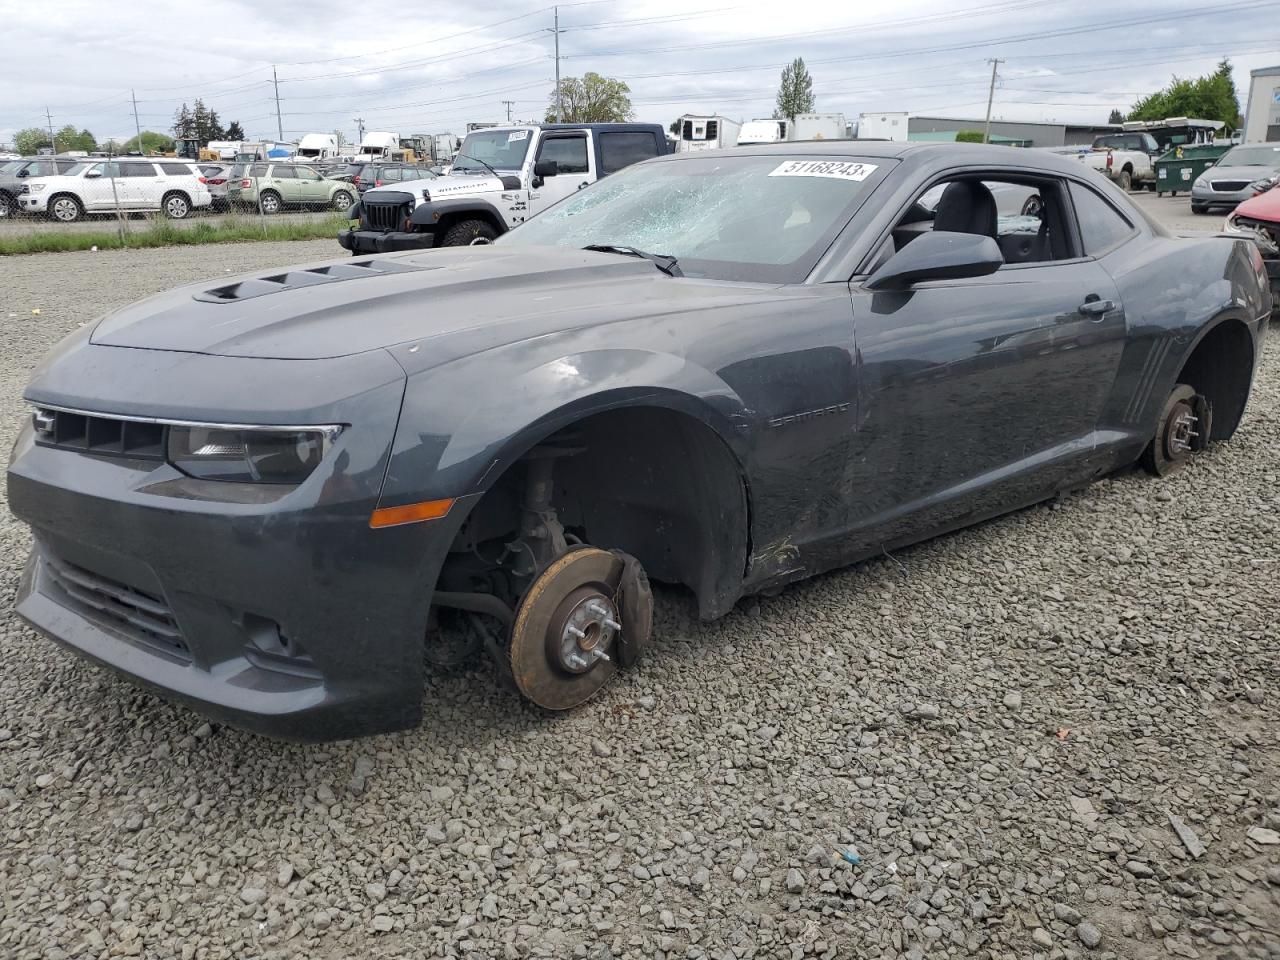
point(276, 609)
point(1204, 196)
point(33, 202)
point(374, 241)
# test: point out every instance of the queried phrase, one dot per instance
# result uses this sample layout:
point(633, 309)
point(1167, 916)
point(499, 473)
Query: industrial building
point(1262, 107)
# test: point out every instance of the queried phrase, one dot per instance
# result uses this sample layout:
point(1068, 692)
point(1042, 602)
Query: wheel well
point(1127, 168)
point(176, 193)
point(449, 220)
point(1221, 367)
point(656, 483)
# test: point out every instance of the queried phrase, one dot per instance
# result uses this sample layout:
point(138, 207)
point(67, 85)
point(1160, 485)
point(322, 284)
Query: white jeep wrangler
point(500, 177)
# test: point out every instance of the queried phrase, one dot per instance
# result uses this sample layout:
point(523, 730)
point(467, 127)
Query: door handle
point(1095, 307)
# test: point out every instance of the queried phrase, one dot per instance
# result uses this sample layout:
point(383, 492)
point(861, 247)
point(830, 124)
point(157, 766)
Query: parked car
point(500, 177)
point(1240, 173)
point(216, 177)
point(1259, 219)
point(365, 174)
point(1127, 158)
point(278, 186)
point(134, 185)
point(14, 175)
point(727, 370)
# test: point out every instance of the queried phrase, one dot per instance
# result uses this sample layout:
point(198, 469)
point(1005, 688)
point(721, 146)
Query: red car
point(1259, 219)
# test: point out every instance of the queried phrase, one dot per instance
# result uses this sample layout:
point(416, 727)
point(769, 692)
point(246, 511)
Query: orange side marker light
point(411, 513)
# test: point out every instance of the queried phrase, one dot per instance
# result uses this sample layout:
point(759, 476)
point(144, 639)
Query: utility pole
point(53, 143)
point(136, 125)
point(359, 122)
point(279, 122)
point(559, 100)
point(991, 95)
point(509, 104)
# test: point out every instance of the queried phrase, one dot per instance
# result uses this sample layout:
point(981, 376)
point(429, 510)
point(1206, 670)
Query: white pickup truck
point(1127, 158)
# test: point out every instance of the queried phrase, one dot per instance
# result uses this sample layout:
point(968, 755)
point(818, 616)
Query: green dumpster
point(1178, 168)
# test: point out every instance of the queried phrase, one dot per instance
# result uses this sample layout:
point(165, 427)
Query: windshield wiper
point(664, 262)
point(467, 156)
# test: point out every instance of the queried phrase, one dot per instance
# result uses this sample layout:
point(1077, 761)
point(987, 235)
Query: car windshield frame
point(816, 195)
point(467, 161)
point(1231, 158)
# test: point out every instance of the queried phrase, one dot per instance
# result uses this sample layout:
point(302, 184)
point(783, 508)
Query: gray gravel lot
point(997, 723)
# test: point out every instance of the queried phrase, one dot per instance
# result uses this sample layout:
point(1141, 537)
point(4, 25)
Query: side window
point(618, 150)
point(569, 153)
point(1101, 226)
point(65, 165)
point(306, 173)
point(175, 169)
point(43, 168)
point(283, 172)
point(137, 170)
point(257, 170)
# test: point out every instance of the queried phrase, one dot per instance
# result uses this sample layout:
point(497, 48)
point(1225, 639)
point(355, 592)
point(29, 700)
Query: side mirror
point(938, 255)
point(546, 168)
point(93, 173)
point(24, 172)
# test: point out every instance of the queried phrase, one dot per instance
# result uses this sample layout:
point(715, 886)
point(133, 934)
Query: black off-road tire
point(464, 231)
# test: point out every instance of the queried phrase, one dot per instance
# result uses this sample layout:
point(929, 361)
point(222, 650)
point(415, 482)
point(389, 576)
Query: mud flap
point(635, 603)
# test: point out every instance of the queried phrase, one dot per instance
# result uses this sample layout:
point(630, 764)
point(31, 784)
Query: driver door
point(982, 393)
point(574, 155)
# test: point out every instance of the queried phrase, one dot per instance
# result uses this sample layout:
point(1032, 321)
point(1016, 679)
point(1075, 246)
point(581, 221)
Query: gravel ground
point(996, 725)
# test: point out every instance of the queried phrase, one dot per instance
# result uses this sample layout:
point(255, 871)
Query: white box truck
point(707, 133)
point(882, 126)
point(377, 145)
point(317, 147)
point(764, 131)
point(821, 126)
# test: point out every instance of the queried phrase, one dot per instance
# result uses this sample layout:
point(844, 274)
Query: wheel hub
point(1181, 432)
point(587, 624)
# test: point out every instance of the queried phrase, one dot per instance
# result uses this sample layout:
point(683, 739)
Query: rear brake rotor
point(563, 639)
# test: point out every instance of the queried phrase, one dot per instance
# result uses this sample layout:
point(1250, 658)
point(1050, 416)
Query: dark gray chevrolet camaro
point(276, 496)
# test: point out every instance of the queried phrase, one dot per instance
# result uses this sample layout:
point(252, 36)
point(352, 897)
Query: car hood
point(1265, 206)
point(454, 301)
point(1249, 172)
point(441, 187)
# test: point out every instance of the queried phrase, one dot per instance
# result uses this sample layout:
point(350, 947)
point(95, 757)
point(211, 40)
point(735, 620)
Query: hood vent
point(293, 279)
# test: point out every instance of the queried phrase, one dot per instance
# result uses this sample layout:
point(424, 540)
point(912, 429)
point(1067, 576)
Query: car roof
point(924, 152)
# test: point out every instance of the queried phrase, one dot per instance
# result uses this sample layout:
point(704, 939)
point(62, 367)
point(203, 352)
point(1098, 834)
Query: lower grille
point(138, 615)
point(103, 435)
point(1228, 186)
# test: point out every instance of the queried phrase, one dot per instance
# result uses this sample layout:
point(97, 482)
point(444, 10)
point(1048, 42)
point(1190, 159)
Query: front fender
point(428, 213)
point(463, 423)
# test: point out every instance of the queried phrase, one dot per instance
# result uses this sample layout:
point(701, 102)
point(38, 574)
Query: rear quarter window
point(175, 170)
point(623, 148)
point(1102, 227)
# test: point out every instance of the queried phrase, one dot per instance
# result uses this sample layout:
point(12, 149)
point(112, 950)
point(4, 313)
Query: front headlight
point(36, 187)
point(1265, 184)
point(249, 455)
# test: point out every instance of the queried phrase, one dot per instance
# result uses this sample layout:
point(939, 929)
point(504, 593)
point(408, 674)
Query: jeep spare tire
point(464, 231)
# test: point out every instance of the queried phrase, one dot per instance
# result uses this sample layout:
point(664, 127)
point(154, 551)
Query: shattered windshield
point(500, 149)
point(724, 217)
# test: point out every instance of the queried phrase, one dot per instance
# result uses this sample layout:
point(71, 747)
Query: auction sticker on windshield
point(515, 135)
point(838, 169)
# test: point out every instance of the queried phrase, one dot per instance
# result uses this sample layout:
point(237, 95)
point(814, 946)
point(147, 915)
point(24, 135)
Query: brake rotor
point(565, 636)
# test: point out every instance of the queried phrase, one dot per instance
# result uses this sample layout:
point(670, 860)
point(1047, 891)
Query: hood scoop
point(293, 279)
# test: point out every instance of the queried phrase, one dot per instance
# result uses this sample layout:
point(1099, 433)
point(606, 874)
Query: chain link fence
point(50, 203)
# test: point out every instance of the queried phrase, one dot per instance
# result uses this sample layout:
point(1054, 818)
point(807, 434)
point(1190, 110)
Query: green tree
point(795, 93)
point(674, 127)
point(68, 138)
point(970, 136)
point(233, 132)
point(1211, 97)
point(199, 122)
point(592, 99)
point(1117, 116)
point(152, 142)
point(28, 141)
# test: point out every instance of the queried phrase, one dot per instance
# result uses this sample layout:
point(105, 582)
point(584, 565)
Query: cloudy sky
point(430, 67)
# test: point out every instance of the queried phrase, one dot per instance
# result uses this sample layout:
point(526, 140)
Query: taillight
point(377, 183)
point(245, 184)
point(218, 182)
point(1110, 159)
point(203, 180)
point(355, 181)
